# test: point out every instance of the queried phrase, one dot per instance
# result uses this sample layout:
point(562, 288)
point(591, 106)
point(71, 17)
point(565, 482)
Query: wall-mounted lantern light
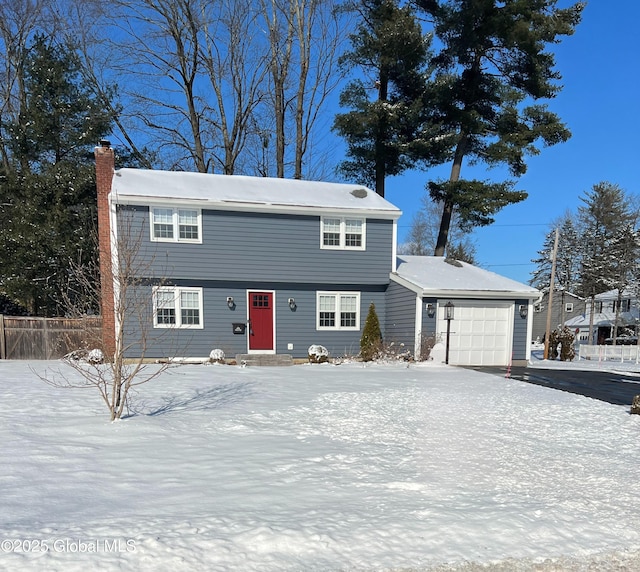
point(524, 310)
point(292, 303)
point(431, 310)
point(230, 302)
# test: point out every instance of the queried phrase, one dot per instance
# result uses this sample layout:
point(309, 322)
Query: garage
point(481, 332)
point(492, 314)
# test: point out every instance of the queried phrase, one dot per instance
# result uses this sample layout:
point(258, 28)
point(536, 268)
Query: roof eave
point(245, 206)
point(459, 293)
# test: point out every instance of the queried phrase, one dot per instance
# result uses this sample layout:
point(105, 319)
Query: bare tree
point(423, 234)
point(19, 20)
point(113, 374)
point(236, 69)
point(305, 37)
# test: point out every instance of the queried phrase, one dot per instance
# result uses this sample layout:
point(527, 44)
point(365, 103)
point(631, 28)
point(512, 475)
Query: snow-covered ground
point(317, 468)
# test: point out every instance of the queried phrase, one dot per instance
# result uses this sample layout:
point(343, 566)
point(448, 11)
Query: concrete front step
point(264, 359)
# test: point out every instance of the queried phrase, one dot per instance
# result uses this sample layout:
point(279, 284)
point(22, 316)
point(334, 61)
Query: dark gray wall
point(520, 338)
point(269, 247)
point(400, 317)
point(297, 327)
point(429, 324)
point(540, 318)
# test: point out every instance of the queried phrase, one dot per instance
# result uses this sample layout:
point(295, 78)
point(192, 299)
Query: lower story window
point(177, 307)
point(338, 311)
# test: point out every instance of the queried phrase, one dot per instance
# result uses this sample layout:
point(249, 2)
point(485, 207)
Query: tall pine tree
point(492, 62)
point(47, 198)
point(391, 51)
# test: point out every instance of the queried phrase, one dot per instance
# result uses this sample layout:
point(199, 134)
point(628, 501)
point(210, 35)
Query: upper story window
point(338, 311)
point(598, 306)
point(342, 233)
point(177, 307)
point(568, 307)
point(176, 225)
point(625, 305)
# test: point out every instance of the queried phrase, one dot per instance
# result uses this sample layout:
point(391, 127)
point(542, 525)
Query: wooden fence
point(46, 338)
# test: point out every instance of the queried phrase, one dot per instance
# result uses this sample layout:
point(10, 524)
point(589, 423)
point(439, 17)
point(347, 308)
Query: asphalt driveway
point(616, 388)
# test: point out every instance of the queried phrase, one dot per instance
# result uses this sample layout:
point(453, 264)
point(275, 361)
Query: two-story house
point(565, 306)
point(272, 266)
point(613, 313)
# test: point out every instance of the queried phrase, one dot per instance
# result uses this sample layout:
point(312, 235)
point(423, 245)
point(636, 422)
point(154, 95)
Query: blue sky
point(600, 67)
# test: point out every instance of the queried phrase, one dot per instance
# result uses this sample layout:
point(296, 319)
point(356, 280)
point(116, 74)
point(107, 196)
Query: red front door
point(261, 321)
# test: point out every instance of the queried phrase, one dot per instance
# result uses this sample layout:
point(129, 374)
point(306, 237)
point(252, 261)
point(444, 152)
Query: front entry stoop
point(264, 359)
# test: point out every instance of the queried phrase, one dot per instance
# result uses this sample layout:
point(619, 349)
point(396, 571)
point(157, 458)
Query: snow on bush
point(216, 356)
point(93, 357)
point(318, 354)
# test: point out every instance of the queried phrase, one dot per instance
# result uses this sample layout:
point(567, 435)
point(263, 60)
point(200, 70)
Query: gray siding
point(559, 300)
point(297, 327)
point(429, 324)
point(400, 318)
point(264, 247)
point(520, 340)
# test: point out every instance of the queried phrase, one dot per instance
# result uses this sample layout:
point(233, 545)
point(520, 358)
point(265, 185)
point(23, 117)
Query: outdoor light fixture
point(524, 310)
point(448, 311)
point(230, 302)
point(448, 315)
point(431, 310)
point(292, 303)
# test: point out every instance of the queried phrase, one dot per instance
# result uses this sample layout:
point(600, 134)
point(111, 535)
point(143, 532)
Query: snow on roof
point(246, 193)
point(437, 276)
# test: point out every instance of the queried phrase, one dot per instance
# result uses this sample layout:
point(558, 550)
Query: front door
point(261, 323)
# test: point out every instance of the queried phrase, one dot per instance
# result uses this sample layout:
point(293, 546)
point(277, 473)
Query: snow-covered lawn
point(317, 467)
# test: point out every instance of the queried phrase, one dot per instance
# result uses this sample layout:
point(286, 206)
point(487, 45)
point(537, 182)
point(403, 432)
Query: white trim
point(394, 247)
point(115, 274)
point(464, 294)
point(273, 314)
point(177, 292)
point(529, 319)
point(175, 216)
point(240, 206)
point(343, 233)
point(417, 350)
point(338, 295)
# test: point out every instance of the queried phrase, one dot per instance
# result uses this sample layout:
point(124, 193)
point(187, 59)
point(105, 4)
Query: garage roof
point(440, 277)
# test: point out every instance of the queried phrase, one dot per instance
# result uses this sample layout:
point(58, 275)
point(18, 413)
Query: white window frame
point(338, 310)
point(568, 307)
point(177, 306)
point(175, 223)
point(343, 233)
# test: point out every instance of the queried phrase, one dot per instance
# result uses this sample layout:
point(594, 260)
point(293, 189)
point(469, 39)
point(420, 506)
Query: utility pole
point(550, 301)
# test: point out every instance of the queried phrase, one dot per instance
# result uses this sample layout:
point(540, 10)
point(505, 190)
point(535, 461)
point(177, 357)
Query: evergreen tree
point(424, 234)
point(371, 340)
point(567, 257)
point(605, 214)
point(391, 50)
point(47, 198)
point(492, 60)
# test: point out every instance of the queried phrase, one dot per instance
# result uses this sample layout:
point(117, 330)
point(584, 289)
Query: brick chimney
point(105, 166)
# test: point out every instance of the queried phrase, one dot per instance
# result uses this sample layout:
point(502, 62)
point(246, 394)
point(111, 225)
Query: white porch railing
point(609, 353)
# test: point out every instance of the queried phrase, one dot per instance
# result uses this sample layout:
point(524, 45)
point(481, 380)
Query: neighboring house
point(272, 266)
point(604, 318)
point(565, 306)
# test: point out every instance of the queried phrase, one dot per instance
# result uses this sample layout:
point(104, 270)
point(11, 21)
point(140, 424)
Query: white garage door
point(481, 332)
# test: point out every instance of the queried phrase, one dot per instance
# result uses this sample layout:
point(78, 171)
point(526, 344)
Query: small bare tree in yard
point(106, 365)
